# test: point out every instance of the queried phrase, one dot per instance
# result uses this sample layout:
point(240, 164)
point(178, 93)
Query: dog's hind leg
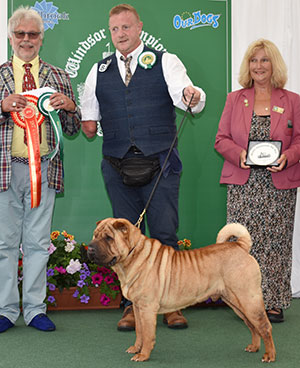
point(262, 325)
point(255, 344)
point(254, 315)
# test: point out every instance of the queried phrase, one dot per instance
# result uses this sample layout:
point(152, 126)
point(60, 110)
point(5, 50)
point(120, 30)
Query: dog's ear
point(121, 226)
point(98, 222)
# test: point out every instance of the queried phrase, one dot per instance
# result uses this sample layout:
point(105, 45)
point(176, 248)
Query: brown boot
point(127, 322)
point(175, 320)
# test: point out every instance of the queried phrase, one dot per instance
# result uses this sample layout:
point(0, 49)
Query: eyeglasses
point(31, 35)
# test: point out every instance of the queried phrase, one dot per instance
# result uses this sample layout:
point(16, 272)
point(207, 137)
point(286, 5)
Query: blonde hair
point(116, 10)
point(279, 69)
point(25, 12)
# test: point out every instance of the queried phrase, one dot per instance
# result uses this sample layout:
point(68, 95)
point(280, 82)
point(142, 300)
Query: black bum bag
point(135, 171)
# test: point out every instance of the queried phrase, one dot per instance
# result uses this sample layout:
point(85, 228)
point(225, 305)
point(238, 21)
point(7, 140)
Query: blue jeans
point(21, 224)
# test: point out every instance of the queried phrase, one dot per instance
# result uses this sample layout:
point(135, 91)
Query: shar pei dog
point(158, 279)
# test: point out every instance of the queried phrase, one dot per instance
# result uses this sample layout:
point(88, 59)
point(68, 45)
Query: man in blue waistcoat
point(133, 93)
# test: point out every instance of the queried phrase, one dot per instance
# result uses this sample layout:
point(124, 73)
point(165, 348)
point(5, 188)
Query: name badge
point(104, 66)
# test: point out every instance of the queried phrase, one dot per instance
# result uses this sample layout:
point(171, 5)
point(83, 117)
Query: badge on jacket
point(147, 59)
point(104, 66)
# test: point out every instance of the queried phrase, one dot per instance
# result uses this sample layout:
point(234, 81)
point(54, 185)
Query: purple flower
point(51, 287)
point(50, 272)
point(80, 283)
point(85, 266)
point(51, 299)
point(75, 295)
point(84, 299)
point(115, 287)
point(104, 299)
point(83, 276)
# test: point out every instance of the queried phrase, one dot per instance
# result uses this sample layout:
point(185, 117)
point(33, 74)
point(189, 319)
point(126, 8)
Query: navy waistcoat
point(140, 115)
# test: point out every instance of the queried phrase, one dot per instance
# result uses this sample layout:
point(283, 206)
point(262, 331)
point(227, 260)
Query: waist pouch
point(136, 171)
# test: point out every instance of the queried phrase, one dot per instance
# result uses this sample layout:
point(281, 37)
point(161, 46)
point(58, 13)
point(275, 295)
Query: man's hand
point(188, 92)
point(14, 103)
point(61, 101)
point(89, 128)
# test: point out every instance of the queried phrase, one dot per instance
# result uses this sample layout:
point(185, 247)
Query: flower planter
point(66, 301)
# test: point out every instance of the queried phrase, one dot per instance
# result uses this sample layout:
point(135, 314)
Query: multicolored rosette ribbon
point(47, 110)
point(29, 119)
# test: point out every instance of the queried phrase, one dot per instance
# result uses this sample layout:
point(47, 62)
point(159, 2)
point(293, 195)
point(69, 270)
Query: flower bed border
point(65, 301)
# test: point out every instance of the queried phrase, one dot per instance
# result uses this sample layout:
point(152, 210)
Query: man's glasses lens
point(31, 35)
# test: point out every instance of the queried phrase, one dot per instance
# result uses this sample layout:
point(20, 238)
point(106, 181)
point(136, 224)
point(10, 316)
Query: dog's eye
point(108, 238)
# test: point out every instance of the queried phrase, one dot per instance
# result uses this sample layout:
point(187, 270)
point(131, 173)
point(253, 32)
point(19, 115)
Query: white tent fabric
point(3, 31)
point(277, 21)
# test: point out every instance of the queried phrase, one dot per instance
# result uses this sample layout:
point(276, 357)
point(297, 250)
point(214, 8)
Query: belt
point(24, 160)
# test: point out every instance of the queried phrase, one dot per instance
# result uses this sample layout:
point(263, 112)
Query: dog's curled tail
point(237, 230)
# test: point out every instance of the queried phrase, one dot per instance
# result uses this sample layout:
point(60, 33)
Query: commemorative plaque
point(263, 153)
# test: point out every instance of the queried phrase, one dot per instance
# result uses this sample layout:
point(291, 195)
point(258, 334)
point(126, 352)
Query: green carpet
point(216, 337)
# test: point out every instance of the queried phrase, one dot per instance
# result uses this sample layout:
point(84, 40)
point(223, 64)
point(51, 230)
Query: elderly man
point(28, 178)
point(133, 93)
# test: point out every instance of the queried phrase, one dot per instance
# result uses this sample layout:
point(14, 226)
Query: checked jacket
point(49, 76)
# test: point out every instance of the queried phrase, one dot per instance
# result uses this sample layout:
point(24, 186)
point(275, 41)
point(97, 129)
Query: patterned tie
point(28, 80)
point(128, 75)
point(28, 85)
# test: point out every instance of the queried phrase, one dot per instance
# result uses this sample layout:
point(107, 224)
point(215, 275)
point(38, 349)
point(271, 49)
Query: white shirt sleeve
point(177, 79)
point(89, 103)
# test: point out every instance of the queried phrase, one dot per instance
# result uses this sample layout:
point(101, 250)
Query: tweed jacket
point(57, 79)
point(234, 128)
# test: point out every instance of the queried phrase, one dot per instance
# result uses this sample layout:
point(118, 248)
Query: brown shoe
point(127, 322)
point(175, 320)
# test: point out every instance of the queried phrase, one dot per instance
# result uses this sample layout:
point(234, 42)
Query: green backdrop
point(198, 32)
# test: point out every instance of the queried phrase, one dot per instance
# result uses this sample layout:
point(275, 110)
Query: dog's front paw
point(252, 348)
point(133, 350)
point(140, 357)
point(268, 358)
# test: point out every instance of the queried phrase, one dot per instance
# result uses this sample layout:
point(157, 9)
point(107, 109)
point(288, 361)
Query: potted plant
point(73, 282)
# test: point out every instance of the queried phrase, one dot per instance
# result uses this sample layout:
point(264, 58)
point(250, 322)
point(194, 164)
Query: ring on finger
point(61, 101)
point(14, 104)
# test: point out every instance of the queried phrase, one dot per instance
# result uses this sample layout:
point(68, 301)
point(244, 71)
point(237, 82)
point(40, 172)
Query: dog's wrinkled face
point(110, 243)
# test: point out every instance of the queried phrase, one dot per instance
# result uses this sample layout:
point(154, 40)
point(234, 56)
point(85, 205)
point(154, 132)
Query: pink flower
point(97, 278)
point(52, 248)
point(104, 299)
point(109, 280)
point(60, 270)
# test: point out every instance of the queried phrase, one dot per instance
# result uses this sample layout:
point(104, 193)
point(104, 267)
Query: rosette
point(29, 119)
point(47, 110)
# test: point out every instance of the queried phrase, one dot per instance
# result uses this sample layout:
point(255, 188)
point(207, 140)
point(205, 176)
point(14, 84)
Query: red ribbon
point(34, 158)
point(30, 119)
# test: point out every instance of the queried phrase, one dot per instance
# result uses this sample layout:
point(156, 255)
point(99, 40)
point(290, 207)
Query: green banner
point(198, 32)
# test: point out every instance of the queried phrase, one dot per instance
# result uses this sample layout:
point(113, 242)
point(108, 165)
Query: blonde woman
point(261, 194)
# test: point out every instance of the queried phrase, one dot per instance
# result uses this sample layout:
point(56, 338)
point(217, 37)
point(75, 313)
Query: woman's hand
point(243, 156)
point(282, 162)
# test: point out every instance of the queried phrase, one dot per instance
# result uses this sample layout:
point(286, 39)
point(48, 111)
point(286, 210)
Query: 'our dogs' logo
point(197, 19)
point(49, 13)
